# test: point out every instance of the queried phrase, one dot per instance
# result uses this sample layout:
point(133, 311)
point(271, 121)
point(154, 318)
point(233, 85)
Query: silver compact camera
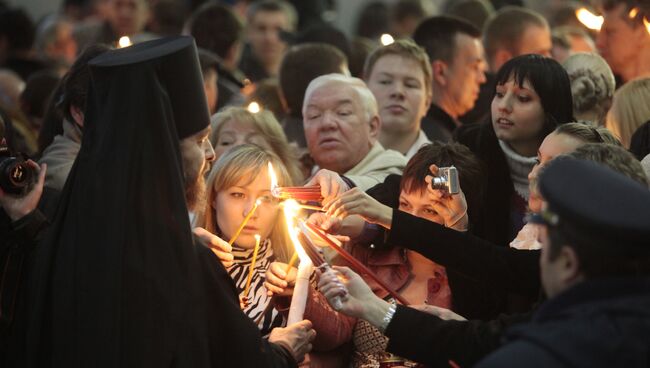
point(446, 180)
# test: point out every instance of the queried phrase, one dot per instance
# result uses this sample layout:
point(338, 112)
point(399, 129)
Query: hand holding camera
point(19, 191)
point(447, 197)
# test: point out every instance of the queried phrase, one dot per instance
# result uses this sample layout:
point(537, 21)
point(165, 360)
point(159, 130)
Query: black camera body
point(16, 175)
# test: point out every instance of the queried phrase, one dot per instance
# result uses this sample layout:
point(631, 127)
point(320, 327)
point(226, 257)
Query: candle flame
point(257, 237)
point(291, 208)
point(254, 107)
point(274, 178)
point(646, 23)
point(124, 41)
point(632, 14)
point(386, 39)
point(589, 19)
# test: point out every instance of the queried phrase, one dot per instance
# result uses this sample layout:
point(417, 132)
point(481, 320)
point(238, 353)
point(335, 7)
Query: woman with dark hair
point(532, 96)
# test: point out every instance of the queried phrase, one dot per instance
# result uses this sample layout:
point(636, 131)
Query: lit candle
point(646, 23)
point(301, 288)
point(386, 39)
point(589, 19)
point(124, 41)
point(254, 107)
point(241, 227)
point(251, 269)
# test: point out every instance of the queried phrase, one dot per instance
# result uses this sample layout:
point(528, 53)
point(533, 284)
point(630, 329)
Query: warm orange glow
point(646, 23)
point(632, 14)
point(589, 19)
point(386, 39)
point(124, 41)
point(291, 208)
point(254, 107)
point(274, 178)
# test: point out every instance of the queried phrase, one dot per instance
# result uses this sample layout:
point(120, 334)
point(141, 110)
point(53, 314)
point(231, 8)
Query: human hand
point(331, 184)
point(218, 246)
point(296, 338)
point(278, 281)
point(442, 313)
point(357, 202)
point(18, 207)
point(451, 207)
point(356, 297)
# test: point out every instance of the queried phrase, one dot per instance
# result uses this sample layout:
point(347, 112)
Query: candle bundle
point(357, 266)
point(298, 193)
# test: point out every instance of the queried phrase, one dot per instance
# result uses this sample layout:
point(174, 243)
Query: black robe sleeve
point(234, 340)
point(508, 269)
point(437, 341)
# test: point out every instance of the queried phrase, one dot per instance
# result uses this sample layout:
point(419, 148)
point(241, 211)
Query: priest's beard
point(195, 192)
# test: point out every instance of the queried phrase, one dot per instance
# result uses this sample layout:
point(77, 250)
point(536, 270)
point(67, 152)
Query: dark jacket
point(604, 323)
point(427, 339)
point(504, 268)
point(494, 222)
point(18, 241)
point(438, 125)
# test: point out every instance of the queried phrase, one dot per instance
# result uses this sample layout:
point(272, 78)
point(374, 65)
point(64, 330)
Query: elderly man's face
point(338, 127)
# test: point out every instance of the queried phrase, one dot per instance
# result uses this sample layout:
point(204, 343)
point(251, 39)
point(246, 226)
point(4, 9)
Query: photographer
point(23, 217)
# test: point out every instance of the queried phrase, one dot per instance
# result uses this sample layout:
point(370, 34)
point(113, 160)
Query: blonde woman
point(238, 179)
point(630, 109)
point(234, 126)
point(592, 86)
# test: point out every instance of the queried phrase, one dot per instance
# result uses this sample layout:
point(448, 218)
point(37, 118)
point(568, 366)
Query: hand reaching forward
point(357, 202)
point(296, 338)
point(218, 246)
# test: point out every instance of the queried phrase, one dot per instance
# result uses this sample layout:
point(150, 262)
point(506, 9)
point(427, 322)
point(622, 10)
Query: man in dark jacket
point(594, 268)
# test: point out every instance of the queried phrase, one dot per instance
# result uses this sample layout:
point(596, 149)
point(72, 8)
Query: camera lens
point(15, 176)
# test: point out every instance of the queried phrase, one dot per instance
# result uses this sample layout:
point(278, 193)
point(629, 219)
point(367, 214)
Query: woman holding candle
point(239, 180)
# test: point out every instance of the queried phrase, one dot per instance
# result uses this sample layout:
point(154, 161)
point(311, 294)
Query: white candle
point(300, 293)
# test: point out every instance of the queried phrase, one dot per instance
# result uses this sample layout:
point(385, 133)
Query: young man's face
point(398, 84)
point(264, 36)
point(197, 153)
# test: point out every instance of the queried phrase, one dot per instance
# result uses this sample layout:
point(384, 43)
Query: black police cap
point(597, 205)
point(175, 65)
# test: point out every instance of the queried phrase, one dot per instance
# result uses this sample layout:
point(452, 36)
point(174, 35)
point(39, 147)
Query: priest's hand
point(296, 338)
point(331, 184)
point(278, 281)
point(357, 202)
point(441, 313)
point(218, 246)
point(452, 207)
point(18, 207)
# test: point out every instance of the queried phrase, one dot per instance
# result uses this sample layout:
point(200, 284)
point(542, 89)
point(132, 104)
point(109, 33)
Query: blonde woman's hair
point(630, 109)
point(592, 86)
point(269, 128)
point(240, 166)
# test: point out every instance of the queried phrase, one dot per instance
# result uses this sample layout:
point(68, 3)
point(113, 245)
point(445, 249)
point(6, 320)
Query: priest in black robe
point(118, 280)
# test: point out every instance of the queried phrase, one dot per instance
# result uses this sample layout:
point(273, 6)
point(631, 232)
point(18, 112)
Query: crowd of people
point(486, 163)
